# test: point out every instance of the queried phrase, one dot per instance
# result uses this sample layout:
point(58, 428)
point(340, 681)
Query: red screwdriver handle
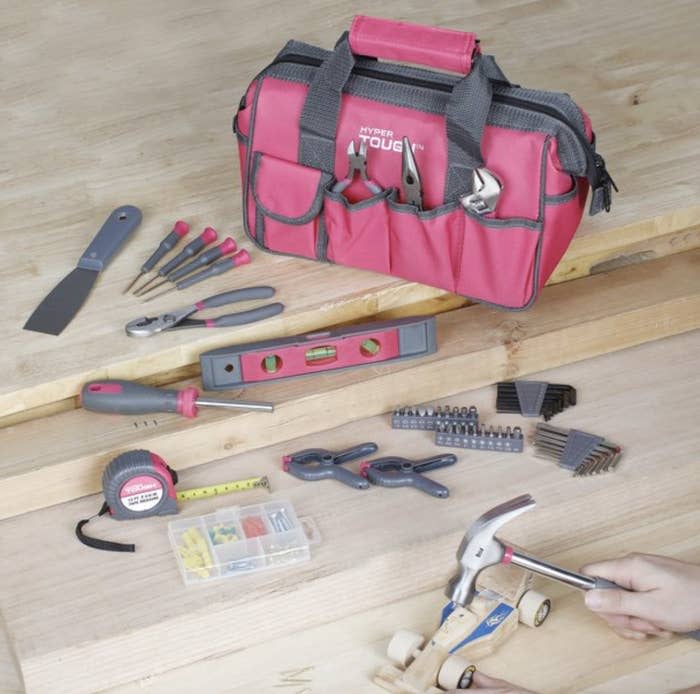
point(127, 397)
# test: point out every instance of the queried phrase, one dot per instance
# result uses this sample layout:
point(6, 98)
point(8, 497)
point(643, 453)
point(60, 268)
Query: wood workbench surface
point(384, 559)
point(109, 103)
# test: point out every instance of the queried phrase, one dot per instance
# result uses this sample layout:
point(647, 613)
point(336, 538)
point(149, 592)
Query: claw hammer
point(480, 549)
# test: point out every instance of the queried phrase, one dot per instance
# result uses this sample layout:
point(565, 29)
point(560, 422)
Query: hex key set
point(582, 453)
point(534, 398)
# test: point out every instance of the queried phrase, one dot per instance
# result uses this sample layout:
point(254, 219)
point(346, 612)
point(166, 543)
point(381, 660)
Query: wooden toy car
point(468, 633)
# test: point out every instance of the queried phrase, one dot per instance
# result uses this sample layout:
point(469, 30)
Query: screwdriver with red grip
point(203, 259)
point(126, 397)
point(168, 243)
point(240, 258)
point(208, 236)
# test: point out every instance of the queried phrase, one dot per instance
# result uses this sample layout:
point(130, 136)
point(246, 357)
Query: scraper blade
point(59, 307)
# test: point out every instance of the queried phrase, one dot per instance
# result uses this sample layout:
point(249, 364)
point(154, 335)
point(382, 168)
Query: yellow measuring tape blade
point(225, 488)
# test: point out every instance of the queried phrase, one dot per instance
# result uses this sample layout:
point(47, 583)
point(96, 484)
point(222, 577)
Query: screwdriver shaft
point(179, 231)
point(236, 404)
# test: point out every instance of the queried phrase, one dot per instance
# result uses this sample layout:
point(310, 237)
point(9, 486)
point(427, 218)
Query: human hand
point(663, 595)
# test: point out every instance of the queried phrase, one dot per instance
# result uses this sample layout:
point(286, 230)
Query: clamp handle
point(314, 464)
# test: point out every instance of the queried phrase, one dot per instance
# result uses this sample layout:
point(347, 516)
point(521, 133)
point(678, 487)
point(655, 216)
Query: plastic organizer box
point(239, 540)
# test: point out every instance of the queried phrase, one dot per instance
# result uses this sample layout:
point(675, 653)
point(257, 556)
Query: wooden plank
point(478, 345)
point(344, 654)
point(146, 120)
point(384, 557)
point(10, 681)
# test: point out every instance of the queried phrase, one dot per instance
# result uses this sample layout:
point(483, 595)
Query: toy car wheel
point(456, 673)
point(403, 646)
point(534, 608)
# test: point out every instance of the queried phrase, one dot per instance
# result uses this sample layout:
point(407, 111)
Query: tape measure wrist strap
point(96, 543)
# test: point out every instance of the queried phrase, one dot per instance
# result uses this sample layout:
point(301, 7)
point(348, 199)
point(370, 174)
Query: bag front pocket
point(288, 199)
point(358, 233)
point(498, 261)
point(425, 246)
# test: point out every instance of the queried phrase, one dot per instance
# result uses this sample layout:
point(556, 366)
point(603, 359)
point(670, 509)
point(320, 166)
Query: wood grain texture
point(477, 345)
point(384, 558)
point(106, 103)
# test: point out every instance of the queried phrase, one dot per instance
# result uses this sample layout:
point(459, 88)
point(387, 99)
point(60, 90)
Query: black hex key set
point(534, 398)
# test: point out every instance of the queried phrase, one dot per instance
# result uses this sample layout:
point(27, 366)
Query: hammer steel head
point(480, 548)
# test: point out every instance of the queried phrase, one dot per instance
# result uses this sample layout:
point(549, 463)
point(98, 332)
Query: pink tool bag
point(504, 171)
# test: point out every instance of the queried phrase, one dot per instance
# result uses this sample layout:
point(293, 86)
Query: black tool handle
point(167, 244)
point(127, 397)
point(109, 239)
point(245, 294)
point(243, 317)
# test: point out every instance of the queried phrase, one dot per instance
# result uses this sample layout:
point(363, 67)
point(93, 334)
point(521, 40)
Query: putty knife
point(59, 307)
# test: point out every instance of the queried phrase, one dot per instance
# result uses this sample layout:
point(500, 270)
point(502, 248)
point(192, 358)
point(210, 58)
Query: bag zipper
point(596, 172)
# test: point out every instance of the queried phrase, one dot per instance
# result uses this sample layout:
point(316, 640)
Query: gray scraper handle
point(109, 239)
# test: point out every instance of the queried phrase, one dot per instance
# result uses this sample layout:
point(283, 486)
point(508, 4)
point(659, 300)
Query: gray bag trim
point(563, 197)
point(360, 204)
point(573, 160)
point(466, 110)
point(322, 240)
point(316, 203)
point(412, 210)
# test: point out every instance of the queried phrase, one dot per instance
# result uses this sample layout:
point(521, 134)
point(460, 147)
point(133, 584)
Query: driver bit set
point(480, 437)
point(428, 418)
point(534, 398)
point(582, 453)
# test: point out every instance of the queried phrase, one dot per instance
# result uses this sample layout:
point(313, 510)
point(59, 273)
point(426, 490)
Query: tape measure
point(139, 484)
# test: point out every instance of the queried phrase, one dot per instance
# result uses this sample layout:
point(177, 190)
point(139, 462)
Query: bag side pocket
point(499, 261)
point(426, 246)
point(358, 233)
point(288, 199)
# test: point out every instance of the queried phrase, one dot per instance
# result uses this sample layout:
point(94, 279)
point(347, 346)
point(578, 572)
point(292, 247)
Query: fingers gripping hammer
point(480, 549)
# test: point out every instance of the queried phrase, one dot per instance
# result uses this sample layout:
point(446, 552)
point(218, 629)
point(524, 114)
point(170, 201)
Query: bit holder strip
point(428, 418)
point(480, 437)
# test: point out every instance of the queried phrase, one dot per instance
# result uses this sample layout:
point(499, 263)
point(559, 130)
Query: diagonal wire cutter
point(393, 471)
point(357, 165)
point(176, 320)
point(314, 464)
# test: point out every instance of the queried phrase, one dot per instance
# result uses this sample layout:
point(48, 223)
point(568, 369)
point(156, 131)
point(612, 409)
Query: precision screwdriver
point(127, 397)
point(208, 236)
point(240, 258)
point(227, 246)
point(169, 242)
